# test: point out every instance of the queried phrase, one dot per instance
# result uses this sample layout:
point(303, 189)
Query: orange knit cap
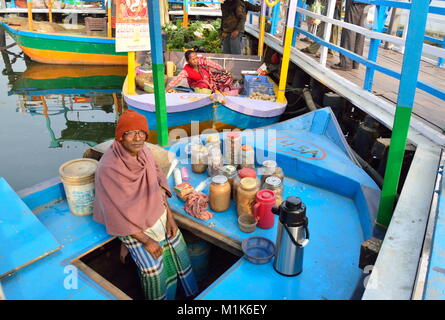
point(130, 120)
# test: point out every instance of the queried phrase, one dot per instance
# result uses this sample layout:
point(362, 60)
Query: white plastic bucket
point(78, 180)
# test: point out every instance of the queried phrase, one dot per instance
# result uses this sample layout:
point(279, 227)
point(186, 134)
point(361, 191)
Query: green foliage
point(200, 34)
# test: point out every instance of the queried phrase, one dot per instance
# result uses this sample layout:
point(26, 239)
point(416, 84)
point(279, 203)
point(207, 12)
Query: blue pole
point(157, 57)
point(441, 60)
point(297, 23)
point(379, 23)
point(275, 18)
point(405, 100)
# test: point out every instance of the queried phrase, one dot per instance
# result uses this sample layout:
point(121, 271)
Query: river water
point(50, 114)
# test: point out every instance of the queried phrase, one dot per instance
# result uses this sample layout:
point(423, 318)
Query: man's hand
point(234, 34)
point(172, 228)
point(153, 248)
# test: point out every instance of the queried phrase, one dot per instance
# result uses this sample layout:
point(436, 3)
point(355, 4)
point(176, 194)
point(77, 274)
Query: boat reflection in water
point(87, 96)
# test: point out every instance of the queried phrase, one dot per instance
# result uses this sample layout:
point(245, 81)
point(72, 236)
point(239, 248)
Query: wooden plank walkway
point(427, 108)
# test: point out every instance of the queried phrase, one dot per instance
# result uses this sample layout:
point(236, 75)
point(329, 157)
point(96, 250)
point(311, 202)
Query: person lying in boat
point(200, 76)
point(131, 201)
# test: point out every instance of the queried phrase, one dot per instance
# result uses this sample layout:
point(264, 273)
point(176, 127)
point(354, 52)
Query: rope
point(8, 46)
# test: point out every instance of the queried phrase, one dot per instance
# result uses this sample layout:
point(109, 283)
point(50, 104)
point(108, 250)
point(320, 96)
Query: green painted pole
point(405, 100)
point(157, 57)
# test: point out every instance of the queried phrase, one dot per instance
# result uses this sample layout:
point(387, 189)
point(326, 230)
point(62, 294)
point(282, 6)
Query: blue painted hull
point(319, 169)
point(221, 114)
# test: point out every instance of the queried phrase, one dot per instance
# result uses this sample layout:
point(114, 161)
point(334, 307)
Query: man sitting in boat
point(201, 78)
point(131, 201)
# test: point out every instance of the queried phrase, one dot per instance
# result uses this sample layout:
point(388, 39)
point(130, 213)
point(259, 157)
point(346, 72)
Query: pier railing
point(375, 35)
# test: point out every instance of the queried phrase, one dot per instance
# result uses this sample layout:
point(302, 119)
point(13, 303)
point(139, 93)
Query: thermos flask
point(292, 236)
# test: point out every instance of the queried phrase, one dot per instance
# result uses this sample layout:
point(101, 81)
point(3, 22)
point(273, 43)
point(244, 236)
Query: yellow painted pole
point(131, 77)
point(110, 16)
point(50, 11)
point(286, 51)
point(262, 30)
point(29, 4)
point(185, 20)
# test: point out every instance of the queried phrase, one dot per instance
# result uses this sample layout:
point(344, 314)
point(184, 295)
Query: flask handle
point(305, 241)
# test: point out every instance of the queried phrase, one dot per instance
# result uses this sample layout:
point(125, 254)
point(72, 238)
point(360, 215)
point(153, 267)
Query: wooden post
point(29, 4)
point(185, 10)
point(50, 11)
point(109, 19)
point(262, 29)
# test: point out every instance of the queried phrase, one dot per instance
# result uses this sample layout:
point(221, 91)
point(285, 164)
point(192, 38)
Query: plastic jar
point(247, 157)
point(215, 162)
point(199, 158)
point(270, 168)
point(276, 185)
point(247, 189)
point(230, 173)
point(219, 194)
point(242, 173)
point(232, 148)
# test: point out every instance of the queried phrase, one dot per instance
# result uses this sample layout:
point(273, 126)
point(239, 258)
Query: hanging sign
point(132, 33)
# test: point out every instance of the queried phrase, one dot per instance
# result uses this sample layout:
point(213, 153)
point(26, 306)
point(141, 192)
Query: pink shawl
point(128, 191)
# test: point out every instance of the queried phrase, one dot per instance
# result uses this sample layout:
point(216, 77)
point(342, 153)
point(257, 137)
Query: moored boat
point(319, 168)
point(240, 111)
point(66, 48)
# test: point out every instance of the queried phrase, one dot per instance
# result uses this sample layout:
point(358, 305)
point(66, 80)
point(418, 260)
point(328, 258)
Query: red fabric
point(129, 197)
point(130, 120)
point(195, 79)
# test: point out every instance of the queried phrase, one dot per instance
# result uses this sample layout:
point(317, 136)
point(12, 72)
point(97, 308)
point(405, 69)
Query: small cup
point(247, 223)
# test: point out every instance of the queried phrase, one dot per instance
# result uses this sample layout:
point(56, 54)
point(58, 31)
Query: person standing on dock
point(232, 25)
point(131, 201)
point(355, 13)
point(313, 48)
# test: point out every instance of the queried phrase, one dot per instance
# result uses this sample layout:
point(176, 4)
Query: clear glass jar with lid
point(219, 193)
point(247, 190)
point(199, 158)
point(232, 148)
point(213, 141)
point(243, 173)
point(214, 162)
point(247, 156)
point(230, 172)
point(270, 168)
point(276, 185)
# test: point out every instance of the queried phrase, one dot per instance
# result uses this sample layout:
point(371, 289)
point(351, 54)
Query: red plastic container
point(262, 210)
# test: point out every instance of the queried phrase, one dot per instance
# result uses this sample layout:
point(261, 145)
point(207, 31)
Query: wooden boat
point(47, 244)
point(66, 47)
point(239, 111)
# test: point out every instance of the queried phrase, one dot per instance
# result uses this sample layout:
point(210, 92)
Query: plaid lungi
point(159, 276)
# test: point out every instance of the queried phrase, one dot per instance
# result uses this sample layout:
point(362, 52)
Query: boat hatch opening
point(104, 266)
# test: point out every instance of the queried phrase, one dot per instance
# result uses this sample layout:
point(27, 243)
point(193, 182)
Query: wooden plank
point(104, 283)
point(208, 234)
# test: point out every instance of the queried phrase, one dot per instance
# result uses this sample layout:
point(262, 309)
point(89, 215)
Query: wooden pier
point(427, 108)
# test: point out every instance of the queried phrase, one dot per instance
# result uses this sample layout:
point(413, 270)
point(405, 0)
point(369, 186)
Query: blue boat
point(46, 242)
